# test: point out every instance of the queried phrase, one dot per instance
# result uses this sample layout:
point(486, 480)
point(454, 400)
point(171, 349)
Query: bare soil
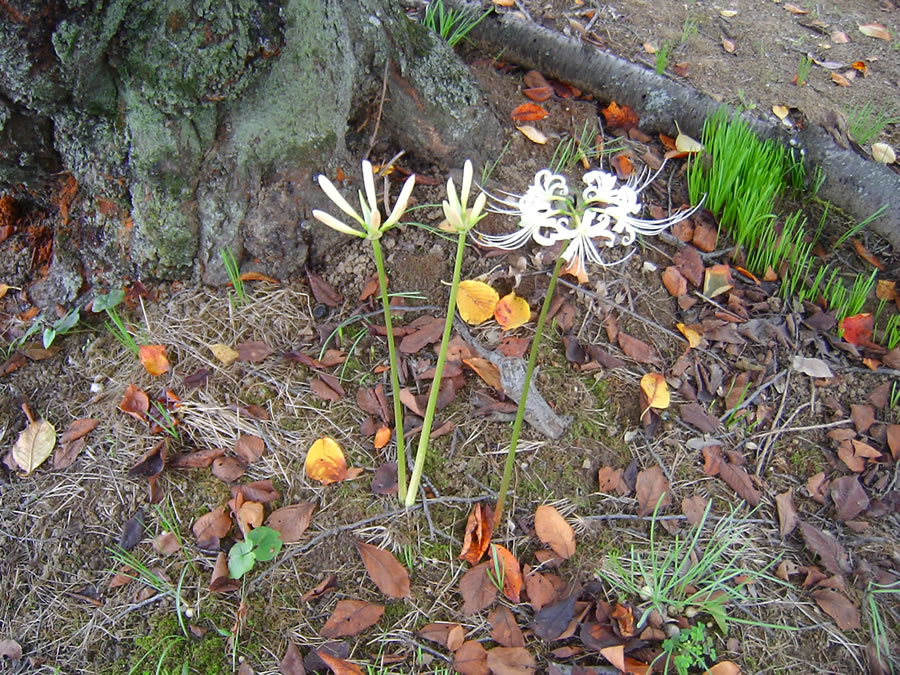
point(58, 525)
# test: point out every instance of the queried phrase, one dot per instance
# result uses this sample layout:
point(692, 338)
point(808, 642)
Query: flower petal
point(332, 193)
point(466, 184)
point(369, 182)
point(401, 203)
point(335, 224)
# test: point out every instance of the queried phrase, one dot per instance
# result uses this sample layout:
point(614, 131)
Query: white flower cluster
point(605, 216)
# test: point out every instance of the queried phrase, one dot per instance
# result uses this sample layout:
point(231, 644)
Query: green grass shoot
point(865, 123)
point(233, 270)
point(452, 25)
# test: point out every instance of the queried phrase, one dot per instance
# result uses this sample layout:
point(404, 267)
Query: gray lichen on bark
point(204, 121)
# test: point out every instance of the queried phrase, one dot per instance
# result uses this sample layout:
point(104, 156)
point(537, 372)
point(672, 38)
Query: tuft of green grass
point(233, 270)
point(853, 231)
point(452, 25)
point(673, 576)
point(865, 123)
point(662, 57)
point(803, 69)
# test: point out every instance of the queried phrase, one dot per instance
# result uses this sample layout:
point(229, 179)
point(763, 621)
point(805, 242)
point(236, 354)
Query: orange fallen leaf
point(840, 80)
point(693, 335)
point(861, 67)
point(857, 329)
point(258, 276)
point(382, 437)
point(325, 461)
point(538, 94)
point(512, 311)
point(154, 359)
point(622, 165)
point(512, 571)
point(867, 255)
point(528, 112)
point(486, 370)
point(385, 570)
point(619, 117)
point(674, 281)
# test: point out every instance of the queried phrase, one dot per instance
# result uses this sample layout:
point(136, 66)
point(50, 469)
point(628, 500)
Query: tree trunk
point(155, 134)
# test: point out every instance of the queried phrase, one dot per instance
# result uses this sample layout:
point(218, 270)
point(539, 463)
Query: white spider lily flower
point(370, 220)
point(459, 217)
point(605, 217)
point(541, 211)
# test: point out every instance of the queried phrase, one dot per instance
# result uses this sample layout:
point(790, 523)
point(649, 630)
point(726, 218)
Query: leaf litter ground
point(56, 570)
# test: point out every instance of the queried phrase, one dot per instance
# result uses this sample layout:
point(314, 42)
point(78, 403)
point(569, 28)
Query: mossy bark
point(191, 125)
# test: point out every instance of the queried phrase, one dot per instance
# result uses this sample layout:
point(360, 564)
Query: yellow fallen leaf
point(532, 134)
point(224, 353)
point(650, 48)
point(476, 301)
point(512, 311)
point(684, 143)
point(781, 111)
point(728, 45)
point(657, 391)
point(728, 13)
point(884, 153)
point(4, 289)
point(154, 359)
point(839, 80)
point(692, 334)
point(34, 445)
point(325, 461)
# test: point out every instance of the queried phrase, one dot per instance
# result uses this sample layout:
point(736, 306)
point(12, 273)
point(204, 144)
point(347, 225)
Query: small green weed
point(689, 29)
point(689, 650)
point(108, 303)
point(879, 625)
point(261, 544)
point(452, 25)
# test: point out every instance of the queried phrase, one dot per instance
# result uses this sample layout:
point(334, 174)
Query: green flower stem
point(438, 373)
point(520, 413)
point(395, 379)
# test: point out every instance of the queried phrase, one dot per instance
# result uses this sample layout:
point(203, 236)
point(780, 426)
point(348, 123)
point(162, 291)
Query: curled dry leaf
point(382, 437)
point(674, 281)
point(883, 153)
point(211, 527)
point(684, 143)
point(528, 112)
point(553, 530)
point(351, 617)
point(538, 94)
point(449, 635)
point(154, 359)
point(479, 528)
point(388, 574)
point(832, 555)
point(135, 402)
point(619, 117)
point(325, 461)
point(476, 301)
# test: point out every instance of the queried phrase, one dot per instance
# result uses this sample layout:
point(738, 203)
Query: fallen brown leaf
point(351, 617)
point(504, 629)
point(838, 607)
point(553, 530)
point(477, 589)
point(829, 550)
point(652, 488)
point(510, 661)
point(479, 529)
point(787, 514)
point(471, 659)
point(384, 569)
point(291, 521)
